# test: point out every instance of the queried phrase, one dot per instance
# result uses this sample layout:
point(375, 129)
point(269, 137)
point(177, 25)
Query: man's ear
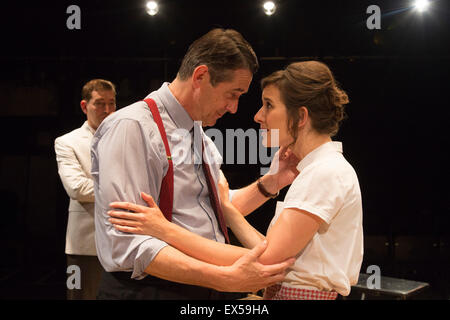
point(200, 75)
point(83, 105)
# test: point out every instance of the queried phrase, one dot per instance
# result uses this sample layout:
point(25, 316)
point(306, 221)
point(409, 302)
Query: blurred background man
point(74, 168)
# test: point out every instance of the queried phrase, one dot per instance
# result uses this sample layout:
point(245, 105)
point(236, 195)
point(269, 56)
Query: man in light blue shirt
point(128, 157)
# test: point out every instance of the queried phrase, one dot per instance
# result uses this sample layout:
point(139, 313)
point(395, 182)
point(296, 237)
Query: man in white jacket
point(74, 168)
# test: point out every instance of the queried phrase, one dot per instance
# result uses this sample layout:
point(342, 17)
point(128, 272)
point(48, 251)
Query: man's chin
point(209, 123)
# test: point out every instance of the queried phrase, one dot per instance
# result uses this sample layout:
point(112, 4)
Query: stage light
point(421, 5)
point(152, 8)
point(269, 8)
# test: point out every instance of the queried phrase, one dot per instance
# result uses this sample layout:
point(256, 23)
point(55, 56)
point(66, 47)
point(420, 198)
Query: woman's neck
point(307, 141)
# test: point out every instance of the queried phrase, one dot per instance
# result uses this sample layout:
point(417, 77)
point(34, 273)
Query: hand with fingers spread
point(140, 219)
point(283, 167)
point(247, 274)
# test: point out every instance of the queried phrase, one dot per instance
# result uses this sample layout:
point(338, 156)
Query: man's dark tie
point(213, 195)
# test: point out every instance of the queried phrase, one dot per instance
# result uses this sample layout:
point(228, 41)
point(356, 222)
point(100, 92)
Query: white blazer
point(73, 155)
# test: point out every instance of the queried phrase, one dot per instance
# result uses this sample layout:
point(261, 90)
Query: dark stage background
point(396, 135)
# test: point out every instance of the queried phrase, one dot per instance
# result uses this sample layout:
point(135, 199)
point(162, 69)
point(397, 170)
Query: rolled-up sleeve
point(126, 160)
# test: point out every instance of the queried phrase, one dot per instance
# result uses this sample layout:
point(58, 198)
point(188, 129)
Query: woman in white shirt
point(320, 221)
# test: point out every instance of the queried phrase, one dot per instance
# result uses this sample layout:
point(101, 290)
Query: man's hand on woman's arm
point(151, 221)
point(245, 275)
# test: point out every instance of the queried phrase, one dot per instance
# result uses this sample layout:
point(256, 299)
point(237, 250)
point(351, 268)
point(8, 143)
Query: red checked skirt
point(279, 292)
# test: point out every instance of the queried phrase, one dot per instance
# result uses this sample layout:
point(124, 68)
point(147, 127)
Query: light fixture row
point(152, 7)
point(270, 7)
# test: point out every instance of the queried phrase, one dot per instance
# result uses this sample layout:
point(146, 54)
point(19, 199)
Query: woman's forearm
point(201, 248)
point(249, 198)
point(246, 234)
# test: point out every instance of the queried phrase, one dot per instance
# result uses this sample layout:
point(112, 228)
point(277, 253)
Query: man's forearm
point(245, 275)
point(173, 265)
point(249, 198)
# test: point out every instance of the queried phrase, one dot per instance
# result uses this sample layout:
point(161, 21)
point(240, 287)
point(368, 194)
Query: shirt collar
point(88, 127)
point(175, 110)
point(326, 148)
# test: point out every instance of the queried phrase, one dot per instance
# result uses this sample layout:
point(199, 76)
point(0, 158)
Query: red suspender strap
point(166, 192)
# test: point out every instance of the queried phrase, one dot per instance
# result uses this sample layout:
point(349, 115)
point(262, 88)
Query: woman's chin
point(268, 144)
point(268, 139)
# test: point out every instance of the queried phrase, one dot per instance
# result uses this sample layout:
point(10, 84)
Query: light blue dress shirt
point(128, 157)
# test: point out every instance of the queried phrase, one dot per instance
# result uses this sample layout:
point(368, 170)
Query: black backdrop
point(395, 136)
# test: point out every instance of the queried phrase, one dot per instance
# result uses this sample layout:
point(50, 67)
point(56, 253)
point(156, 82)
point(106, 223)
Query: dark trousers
point(91, 271)
point(119, 286)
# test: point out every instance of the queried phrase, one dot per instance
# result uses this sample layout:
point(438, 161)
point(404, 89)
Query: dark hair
point(222, 50)
point(312, 85)
point(97, 85)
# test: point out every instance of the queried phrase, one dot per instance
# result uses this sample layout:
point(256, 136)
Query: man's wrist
point(228, 279)
point(223, 277)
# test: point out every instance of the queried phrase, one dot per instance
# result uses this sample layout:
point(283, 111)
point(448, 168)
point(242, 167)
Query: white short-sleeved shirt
point(327, 186)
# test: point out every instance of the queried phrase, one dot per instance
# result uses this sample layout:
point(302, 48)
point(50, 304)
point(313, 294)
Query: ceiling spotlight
point(421, 5)
point(269, 8)
point(152, 8)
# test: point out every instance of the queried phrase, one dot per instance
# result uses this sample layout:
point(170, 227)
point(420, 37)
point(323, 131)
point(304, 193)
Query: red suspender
point(166, 192)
